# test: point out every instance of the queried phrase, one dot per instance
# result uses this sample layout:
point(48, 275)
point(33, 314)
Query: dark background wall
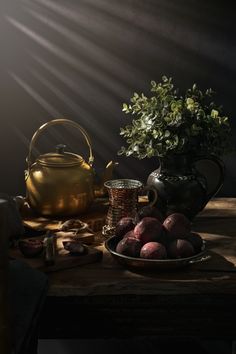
point(82, 59)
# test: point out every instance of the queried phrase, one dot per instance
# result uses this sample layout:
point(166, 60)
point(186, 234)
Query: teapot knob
point(60, 148)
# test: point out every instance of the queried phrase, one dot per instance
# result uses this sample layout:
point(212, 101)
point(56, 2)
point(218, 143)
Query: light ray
point(106, 103)
point(21, 136)
point(44, 42)
point(114, 86)
point(198, 42)
point(126, 36)
point(77, 109)
point(116, 66)
point(35, 95)
point(69, 13)
point(43, 103)
point(65, 98)
point(91, 23)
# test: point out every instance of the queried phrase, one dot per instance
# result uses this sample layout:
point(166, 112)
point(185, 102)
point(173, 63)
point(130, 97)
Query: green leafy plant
point(170, 123)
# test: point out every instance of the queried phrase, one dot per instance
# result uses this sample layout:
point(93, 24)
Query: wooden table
point(105, 300)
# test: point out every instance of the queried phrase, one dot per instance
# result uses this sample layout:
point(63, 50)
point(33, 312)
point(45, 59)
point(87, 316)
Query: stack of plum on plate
point(150, 236)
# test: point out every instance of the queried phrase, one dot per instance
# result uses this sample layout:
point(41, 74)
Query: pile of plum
point(152, 237)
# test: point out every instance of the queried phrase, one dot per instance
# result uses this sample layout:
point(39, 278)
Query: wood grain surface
point(196, 301)
point(109, 277)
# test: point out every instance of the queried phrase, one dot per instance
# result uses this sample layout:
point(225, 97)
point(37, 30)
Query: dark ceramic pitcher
point(185, 184)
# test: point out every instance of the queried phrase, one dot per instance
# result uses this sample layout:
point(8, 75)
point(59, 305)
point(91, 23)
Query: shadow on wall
point(83, 59)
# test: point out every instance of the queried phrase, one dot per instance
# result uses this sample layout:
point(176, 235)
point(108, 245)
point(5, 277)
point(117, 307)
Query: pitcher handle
point(221, 174)
point(59, 122)
point(152, 189)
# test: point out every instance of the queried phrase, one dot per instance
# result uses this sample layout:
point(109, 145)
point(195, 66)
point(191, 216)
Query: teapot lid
point(60, 158)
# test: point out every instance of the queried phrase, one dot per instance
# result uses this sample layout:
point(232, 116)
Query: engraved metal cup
point(123, 201)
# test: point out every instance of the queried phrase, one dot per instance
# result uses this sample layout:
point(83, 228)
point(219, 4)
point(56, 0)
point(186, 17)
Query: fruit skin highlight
point(177, 226)
point(129, 234)
point(149, 229)
point(180, 249)
point(153, 250)
point(129, 246)
point(124, 225)
point(152, 239)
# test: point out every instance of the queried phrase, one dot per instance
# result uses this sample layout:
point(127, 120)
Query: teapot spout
point(100, 190)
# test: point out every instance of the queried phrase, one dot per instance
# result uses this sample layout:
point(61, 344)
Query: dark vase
point(185, 184)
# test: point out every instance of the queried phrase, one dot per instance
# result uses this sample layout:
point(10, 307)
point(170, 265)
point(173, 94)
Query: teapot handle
point(210, 192)
point(56, 122)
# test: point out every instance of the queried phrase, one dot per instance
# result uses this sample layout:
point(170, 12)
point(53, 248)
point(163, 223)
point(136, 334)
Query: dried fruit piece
point(72, 224)
point(74, 247)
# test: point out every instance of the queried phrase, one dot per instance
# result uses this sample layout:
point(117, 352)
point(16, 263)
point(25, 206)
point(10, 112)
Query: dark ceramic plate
point(163, 264)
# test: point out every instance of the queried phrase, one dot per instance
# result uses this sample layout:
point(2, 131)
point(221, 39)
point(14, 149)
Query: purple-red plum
point(129, 234)
point(153, 250)
point(30, 248)
point(196, 240)
point(123, 226)
point(177, 226)
point(129, 246)
point(180, 249)
point(150, 211)
point(149, 229)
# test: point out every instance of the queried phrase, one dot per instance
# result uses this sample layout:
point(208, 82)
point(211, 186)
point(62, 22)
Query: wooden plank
point(111, 278)
point(197, 301)
point(216, 207)
point(219, 208)
point(108, 277)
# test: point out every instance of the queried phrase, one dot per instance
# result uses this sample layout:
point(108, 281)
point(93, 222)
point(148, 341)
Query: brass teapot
point(61, 183)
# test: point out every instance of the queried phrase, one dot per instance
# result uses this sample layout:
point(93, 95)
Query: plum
point(129, 234)
point(196, 240)
point(148, 229)
point(180, 249)
point(177, 226)
point(153, 250)
point(150, 211)
point(31, 247)
point(124, 225)
point(129, 246)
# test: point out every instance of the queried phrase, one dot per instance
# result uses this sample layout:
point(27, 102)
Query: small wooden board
point(63, 259)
